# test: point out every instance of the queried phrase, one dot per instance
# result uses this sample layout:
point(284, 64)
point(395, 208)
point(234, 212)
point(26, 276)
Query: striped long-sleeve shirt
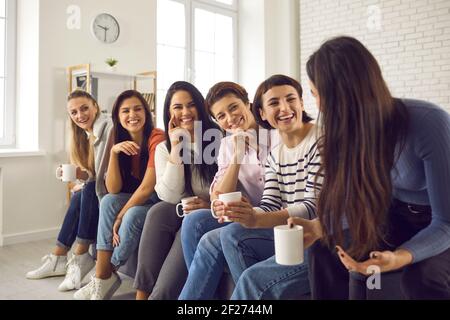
point(290, 178)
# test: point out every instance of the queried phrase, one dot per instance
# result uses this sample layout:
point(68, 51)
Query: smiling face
point(233, 114)
point(132, 115)
point(82, 111)
point(183, 108)
point(282, 108)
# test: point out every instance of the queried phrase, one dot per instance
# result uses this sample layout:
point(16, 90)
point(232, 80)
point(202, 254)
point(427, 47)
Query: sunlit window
point(196, 42)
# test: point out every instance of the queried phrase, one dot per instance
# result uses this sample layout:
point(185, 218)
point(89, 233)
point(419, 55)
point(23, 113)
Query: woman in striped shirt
point(290, 191)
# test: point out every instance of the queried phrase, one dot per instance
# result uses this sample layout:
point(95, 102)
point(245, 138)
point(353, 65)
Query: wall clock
point(105, 28)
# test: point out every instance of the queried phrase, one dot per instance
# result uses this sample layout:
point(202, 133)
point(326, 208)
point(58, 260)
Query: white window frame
point(9, 126)
point(214, 6)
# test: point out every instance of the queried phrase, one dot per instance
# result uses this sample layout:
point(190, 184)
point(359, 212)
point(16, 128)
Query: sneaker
point(85, 293)
point(52, 266)
point(99, 289)
point(77, 268)
point(104, 289)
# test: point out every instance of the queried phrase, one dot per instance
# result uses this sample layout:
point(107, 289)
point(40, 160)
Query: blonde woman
point(90, 131)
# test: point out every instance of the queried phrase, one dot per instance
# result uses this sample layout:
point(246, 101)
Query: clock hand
point(104, 28)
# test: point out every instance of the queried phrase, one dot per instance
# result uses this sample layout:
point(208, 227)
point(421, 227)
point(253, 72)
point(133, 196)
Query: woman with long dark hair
point(183, 169)
point(384, 200)
point(130, 181)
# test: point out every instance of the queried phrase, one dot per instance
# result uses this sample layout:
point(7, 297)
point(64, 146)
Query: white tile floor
point(16, 260)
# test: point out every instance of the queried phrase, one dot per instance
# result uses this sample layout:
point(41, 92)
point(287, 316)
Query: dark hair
point(266, 85)
point(205, 171)
point(121, 134)
point(222, 89)
point(362, 125)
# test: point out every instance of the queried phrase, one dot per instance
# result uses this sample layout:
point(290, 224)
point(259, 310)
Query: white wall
point(411, 41)
point(268, 41)
point(33, 201)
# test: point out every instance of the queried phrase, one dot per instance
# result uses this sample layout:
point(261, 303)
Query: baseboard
point(22, 237)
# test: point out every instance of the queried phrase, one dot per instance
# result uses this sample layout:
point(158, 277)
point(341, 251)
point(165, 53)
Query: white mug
point(66, 172)
point(226, 198)
point(184, 202)
point(288, 244)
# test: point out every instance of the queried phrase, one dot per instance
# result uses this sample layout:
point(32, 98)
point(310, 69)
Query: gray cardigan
point(103, 138)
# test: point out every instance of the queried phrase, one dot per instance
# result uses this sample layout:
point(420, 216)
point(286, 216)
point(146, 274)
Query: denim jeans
point(81, 219)
point(209, 260)
point(130, 229)
point(194, 226)
point(267, 280)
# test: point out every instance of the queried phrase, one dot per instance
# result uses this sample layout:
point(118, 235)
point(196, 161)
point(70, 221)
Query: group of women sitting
point(367, 182)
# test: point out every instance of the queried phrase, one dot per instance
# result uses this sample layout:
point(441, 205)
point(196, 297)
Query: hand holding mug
point(221, 201)
point(66, 172)
point(242, 212)
point(181, 207)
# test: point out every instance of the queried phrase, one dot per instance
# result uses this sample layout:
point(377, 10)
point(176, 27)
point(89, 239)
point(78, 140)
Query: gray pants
point(161, 269)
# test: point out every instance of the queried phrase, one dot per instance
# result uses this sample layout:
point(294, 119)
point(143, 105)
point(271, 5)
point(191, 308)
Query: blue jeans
point(268, 280)
point(130, 229)
point(209, 260)
point(194, 226)
point(81, 220)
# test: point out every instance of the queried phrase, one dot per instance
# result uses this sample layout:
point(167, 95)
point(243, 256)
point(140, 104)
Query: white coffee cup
point(226, 198)
point(182, 204)
point(288, 245)
point(66, 172)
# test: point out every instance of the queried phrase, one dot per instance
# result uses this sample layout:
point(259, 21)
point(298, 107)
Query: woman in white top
point(183, 169)
point(90, 131)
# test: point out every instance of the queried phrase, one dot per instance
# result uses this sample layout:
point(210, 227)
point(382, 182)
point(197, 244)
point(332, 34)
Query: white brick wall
point(412, 44)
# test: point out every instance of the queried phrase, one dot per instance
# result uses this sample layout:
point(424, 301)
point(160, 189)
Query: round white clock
point(105, 28)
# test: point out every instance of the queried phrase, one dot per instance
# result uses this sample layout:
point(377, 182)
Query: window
point(7, 70)
point(196, 42)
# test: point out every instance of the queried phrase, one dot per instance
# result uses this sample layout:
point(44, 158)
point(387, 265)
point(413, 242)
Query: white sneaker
point(77, 268)
point(104, 289)
point(99, 289)
point(52, 266)
point(85, 292)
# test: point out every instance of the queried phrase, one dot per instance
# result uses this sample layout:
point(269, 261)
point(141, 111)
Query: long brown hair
point(363, 124)
point(81, 150)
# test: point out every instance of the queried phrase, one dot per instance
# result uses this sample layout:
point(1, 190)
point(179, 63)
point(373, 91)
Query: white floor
point(16, 260)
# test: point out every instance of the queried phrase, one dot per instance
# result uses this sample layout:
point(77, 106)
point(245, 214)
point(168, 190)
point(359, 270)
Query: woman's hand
point(130, 148)
point(240, 145)
point(77, 187)
point(385, 261)
point(116, 226)
point(175, 132)
point(312, 229)
point(242, 212)
point(198, 203)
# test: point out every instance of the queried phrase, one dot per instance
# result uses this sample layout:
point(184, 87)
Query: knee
point(209, 243)
point(107, 203)
point(191, 223)
point(232, 235)
point(420, 278)
point(133, 219)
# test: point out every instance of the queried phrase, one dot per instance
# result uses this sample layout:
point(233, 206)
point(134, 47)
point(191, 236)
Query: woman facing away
point(384, 201)
point(89, 134)
point(277, 105)
point(240, 167)
point(161, 269)
point(130, 181)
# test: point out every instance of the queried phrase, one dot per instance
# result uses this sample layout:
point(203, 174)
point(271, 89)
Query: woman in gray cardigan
point(90, 132)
